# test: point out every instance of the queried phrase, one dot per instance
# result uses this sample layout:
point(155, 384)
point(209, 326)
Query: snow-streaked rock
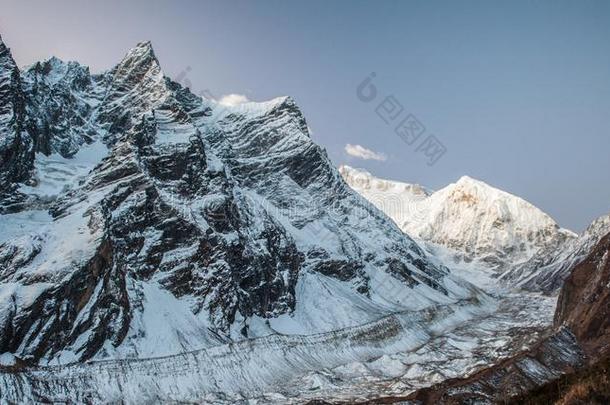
point(16, 145)
point(155, 223)
point(60, 102)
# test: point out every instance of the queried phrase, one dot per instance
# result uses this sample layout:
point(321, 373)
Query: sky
point(516, 94)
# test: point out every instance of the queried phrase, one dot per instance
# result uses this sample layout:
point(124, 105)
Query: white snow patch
point(7, 359)
point(56, 174)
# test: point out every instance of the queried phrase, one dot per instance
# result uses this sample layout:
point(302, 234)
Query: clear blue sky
point(519, 92)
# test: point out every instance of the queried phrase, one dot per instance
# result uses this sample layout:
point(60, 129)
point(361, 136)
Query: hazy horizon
point(519, 94)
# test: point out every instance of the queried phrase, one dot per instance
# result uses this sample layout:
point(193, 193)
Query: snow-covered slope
point(547, 270)
point(154, 223)
point(474, 220)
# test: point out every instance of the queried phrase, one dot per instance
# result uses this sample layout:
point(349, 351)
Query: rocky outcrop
point(584, 301)
point(16, 145)
point(60, 102)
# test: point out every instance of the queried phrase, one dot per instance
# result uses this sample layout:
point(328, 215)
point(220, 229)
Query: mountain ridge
point(153, 221)
point(476, 221)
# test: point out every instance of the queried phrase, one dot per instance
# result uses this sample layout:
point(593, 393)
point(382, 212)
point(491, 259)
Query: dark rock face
point(200, 220)
point(60, 307)
point(588, 385)
point(16, 146)
point(584, 301)
point(60, 100)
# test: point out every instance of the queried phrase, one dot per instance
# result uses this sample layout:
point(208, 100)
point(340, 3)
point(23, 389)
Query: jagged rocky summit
point(139, 220)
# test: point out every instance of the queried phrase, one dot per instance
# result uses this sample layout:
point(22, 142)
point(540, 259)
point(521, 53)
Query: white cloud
point(233, 99)
point(363, 153)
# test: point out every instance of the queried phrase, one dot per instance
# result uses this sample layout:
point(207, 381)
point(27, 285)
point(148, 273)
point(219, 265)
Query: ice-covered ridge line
point(250, 108)
point(243, 369)
point(403, 202)
point(363, 180)
point(254, 142)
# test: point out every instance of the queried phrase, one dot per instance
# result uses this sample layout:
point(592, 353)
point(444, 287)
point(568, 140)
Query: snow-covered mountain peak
point(470, 217)
point(16, 146)
point(140, 64)
point(471, 191)
point(6, 58)
point(143, 52)
point(256, 108)
point(483, 190)
point(4, 48)
point(56, 72)
point(491, 202)
point(467, 181)
point(361, 179)
point(53, 62)
point(134, 88)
